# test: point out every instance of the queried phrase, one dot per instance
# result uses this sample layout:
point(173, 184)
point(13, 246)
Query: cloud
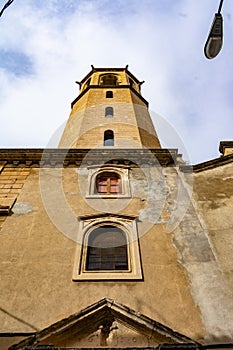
point(16, 63)
point(52, 44)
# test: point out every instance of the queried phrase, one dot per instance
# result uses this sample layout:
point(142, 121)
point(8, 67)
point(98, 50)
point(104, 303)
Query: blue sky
point(45, 46)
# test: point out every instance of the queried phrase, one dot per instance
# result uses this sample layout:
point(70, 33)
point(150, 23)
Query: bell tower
point(109, 112)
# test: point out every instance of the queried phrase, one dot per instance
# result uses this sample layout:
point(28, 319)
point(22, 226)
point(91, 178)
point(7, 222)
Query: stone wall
point(185, 230)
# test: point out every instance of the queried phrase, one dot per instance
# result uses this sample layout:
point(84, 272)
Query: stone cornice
point(61, 157)
point(225, 144)
point(213, 163)
point(118, 69)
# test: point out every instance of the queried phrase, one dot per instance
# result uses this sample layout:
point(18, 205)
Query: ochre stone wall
point(213, 278)
point(187, 281)
point(37, 271)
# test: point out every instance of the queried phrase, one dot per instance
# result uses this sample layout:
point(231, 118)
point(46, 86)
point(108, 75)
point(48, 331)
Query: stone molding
point(61, 157)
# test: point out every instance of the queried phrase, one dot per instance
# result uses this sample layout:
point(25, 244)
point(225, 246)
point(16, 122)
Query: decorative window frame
point(121, 170)
point(86, 226)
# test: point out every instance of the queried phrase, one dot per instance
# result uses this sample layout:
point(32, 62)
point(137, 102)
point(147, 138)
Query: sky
point(47, 45)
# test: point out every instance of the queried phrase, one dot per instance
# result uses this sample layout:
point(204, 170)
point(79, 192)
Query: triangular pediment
point(106, 324)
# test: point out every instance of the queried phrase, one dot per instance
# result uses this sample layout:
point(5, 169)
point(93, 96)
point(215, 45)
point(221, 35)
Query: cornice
point(61, 157)
point(112, 69)
point(213, 163)
point(225, 144)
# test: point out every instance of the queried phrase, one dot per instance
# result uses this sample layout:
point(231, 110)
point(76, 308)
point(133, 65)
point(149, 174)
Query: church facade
point(111, 240)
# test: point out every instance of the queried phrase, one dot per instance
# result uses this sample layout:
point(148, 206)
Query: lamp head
point(215, 38)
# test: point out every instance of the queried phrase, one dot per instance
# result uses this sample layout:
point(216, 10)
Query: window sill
point(107, 196)
point(107, 276)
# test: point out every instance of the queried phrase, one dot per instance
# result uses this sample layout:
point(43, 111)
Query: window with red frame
point(108, 183)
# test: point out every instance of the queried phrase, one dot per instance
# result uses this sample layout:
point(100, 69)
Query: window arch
point(108, 112)
point(109, 80)
point(109, 94)
point(107, 249)
point(108, 183)
point(108, 138)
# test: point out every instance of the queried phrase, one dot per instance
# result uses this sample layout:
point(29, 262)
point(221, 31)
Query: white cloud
point(162, 41)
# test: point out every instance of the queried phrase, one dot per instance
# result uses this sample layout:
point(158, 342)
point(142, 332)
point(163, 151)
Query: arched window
point(108, 183)
point(108, 112)
point(108, 138)
point(109, 94)
point(107, 249)
point(108, 80)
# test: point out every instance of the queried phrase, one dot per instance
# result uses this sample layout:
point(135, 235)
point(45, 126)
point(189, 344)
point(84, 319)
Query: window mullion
point(108, 185)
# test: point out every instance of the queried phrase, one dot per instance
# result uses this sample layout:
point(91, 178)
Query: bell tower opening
point(108, 80)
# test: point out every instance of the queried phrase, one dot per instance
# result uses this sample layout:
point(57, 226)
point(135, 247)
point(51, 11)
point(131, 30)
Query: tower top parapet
point(109, 78)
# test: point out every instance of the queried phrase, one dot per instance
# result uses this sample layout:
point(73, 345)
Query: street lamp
point(215, 38)
point(5, 6)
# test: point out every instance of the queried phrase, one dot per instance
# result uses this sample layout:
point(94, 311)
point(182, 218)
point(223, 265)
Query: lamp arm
point(220, 6)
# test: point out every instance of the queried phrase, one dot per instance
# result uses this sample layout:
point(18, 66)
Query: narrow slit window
point(107, 249)
point(109, 94)
point(108, 138)
point(108, 112)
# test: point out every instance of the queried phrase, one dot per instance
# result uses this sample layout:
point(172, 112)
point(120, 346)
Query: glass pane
point(107, 249)
point(114, 185)
point(102, 189)
point(114, 189)
point(101, 185)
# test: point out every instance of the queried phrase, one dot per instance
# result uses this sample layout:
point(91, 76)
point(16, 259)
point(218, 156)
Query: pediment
point(106, 324)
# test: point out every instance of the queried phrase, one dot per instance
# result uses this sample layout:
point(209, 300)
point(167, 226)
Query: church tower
point(109, 111)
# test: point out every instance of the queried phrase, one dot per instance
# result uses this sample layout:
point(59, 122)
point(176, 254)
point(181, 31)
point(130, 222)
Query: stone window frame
point(120, 170)
point(86, 226)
